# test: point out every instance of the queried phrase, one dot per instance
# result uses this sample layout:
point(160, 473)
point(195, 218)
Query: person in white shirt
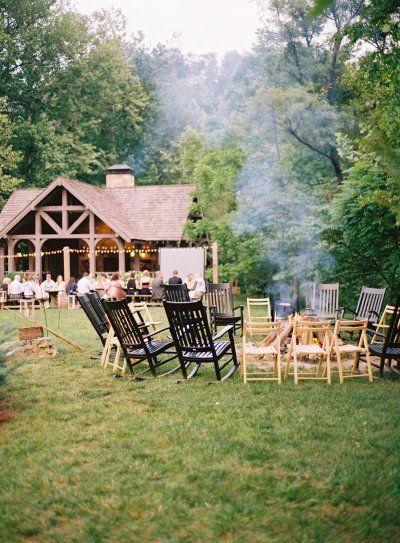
point(29, 287)
point(15, 288)
point(84, 284)
point(199, 289)
point(48, 284)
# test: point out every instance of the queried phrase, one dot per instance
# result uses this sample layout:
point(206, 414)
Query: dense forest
point(294, 147)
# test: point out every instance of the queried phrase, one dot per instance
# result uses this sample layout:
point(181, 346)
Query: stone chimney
point(120, 176)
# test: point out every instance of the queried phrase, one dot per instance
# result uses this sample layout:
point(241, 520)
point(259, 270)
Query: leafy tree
point(9, 158)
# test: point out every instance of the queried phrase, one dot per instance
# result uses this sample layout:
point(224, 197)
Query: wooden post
point(121, 256)
point(11, 261)
point(2, 266)
point(92, 245)
point(67, 264)
point(214, 248)
point(38, 244)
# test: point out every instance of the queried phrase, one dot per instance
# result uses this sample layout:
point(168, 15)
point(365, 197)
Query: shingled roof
point(149, 213)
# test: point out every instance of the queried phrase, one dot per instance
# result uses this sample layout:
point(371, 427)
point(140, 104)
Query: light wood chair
point(143, 308)
point(254, 366)
point(338, 348)
point(314, 341)
point(3, 298)
point(328, 300)
point(112, 342)
point(27, 307)
point(254, 306)
point(383, 324)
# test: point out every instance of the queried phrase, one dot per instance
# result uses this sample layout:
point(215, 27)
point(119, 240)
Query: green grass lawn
point(91, 458)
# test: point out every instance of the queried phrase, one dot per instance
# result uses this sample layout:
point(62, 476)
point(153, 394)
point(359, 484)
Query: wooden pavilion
point(70, 227)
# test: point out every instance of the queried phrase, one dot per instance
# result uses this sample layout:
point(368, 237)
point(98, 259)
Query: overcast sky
point(203, 25)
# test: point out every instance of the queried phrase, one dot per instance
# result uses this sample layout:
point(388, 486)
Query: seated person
point(199, 289)
point(157, 286)
point(84, 284)
point(48, 284)
point(71, 287)
point(131, 285)
point(29, 287)
point(117, 288)
point(15, 288)
point(145, 281)
point(190, 281)
point(175, 279)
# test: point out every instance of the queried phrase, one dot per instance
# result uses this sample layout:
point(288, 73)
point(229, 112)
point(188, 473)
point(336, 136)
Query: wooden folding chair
point(258, 311)
point(143, 309)
point(254, 366)
point(383, 324)
point(313, 341)
point(339, 349)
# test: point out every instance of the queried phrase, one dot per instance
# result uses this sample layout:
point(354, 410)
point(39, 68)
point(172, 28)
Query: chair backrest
point(268, 332)
point(189, 327)
point(265, 307)
point(95, 300)
point(219, 296)
point(327, 300)
point(349, 326)
point(176, 293)
point(101, 326)
point(370, 303)
point(124, 324)
point(393, 334)
point(306, 330)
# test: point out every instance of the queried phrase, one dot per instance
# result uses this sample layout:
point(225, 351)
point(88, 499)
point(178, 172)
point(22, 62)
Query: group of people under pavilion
point(31, 285)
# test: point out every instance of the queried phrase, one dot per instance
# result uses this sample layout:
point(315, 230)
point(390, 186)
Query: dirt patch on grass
point(6, 413)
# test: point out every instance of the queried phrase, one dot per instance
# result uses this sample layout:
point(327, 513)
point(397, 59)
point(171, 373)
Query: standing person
point(145, 281)
point(116, 289)
point(48, 284)
point(84, 284)
point(199, 289)
point(157, 286)
point(190, 282)
point(175, 279)
point(30, 287)
point(60, 286)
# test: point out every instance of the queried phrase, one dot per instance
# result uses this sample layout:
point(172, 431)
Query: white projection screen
point(187, 260)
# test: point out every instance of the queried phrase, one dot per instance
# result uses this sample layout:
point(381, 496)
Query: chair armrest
point(375, 333)
point(224, 331)
point(343, 310)
point(372, 313)
point(241, 307)
point(156, 332)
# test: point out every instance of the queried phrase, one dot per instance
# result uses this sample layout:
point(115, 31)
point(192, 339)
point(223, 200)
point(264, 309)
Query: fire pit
point(285, 307)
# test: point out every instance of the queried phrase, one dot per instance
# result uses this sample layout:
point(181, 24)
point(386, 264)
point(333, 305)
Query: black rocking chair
point(194, 342)
point(176, 293)
point(222, 310)
point(390, 348)
point(100, 324)
point(136, 345)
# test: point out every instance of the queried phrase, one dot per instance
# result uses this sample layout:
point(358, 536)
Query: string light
point(101, 250)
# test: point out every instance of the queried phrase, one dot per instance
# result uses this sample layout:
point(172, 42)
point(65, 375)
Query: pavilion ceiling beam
point(78, 221)
point(61, 208)
point(51, 222)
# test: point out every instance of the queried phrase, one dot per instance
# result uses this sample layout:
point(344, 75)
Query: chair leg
point(117, 357)
point(369, 366)
point(381, 366)
point(296, 369)
point(340, 366)
point(243, 369)
point(328, 368)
